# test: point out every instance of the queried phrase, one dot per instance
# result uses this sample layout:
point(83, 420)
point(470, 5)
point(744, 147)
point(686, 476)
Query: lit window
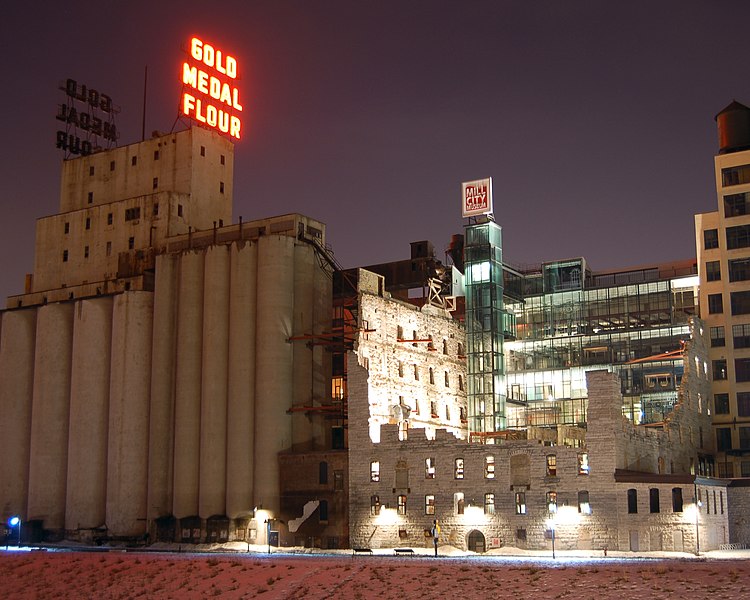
point(489, 504)
point(375, 471)
point(489, 467)
point(583, 464)
point(458, 469)
point(551, 465)
point(520, 503)
point(584, 507)
point(552, 502)
point(429, 468)
point(429, 504)
point(402, 504)
point(374, 505)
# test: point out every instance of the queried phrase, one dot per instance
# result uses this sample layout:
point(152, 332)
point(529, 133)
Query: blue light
point(13, 521)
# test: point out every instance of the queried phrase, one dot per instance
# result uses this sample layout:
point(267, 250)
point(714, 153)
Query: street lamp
point(15, 521)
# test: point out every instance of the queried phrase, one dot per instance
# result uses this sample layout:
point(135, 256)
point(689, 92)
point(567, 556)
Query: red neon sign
point(209, 95)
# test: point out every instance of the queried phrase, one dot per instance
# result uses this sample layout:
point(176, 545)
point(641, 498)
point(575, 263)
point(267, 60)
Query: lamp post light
point(552, 507)
point(15, 521)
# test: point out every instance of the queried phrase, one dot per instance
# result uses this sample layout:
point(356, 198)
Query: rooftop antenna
point(143, 123)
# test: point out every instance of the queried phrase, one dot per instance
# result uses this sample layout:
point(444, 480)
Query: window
point(156, 155)
point(429, 504)
point(133, 161)
point(155, 212)
point(88, 222)
point(551, 502)
point(713, 271)
point(221, 187)
point(677, 500)
point(723, 439)
point(489, 467)
point(109, 218)
point(91, 197)
point(742, 369)
point(203, 151)
point(91, 171)
point(717, 336)
point(66, 228)
point(433, 410)
point(583, 463)
point(445, 346)
point(374, 505)
point(459, 502)
point(432, 376)
point(458, 468)
point(632, 501)
point(221, 159)
point(429, 468)
point(323, 473)
point(741, 336)
point(65, 256)
point(85, 252)
point(735, 205)
point(740, 302)
point(131, 243)
point(132, 213)
point(461, 383)
point(744, 438)
point(447, 379)
point(179, 210)
point(155, 183)
point(109, 248)
point(323, 511)
point(551, 465)
point(400, 369)
point(739, 269)
point(416, 373)
point(584, 506)
point(403, 430)
point(738, 237)
point(721, 404)
point(338, 480)
point(726, 469)
point(520, 503)
point(399, 332)
point(653, 500)
point(715, 304)
point(719, 368)
point(735, 175)
point(710, 239)
point(743, 404)
point(489, 503)
point(401, 505)
point(461, 351)
point(414, 337)
point(112, 165)
point(375, 471)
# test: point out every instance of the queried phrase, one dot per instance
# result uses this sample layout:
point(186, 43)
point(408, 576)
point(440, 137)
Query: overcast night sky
point(595, 119)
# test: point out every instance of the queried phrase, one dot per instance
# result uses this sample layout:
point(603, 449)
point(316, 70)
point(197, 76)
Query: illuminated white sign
point(476, 197)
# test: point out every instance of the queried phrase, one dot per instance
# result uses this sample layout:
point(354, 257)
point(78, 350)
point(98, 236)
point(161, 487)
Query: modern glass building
point(571, 320)
point(485, 326)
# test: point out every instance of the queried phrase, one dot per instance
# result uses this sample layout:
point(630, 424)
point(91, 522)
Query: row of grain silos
point(118, 410)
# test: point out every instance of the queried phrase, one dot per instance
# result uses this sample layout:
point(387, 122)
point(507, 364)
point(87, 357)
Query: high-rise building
point(723, 250)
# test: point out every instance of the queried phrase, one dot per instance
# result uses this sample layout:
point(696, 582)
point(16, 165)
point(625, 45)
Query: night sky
point(595, 119)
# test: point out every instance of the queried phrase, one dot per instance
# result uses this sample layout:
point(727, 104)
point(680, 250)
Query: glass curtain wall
point(484, 327)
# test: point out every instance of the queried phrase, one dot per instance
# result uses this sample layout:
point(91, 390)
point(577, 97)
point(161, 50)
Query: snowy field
point(37, 574)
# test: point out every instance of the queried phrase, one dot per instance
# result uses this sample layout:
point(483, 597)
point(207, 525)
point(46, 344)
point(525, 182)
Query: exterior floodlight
point(14, 521)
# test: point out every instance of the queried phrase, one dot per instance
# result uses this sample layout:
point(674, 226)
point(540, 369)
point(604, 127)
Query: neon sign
point(209, 95)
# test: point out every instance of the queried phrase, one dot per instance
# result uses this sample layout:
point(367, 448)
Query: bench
point(361, 551)
point(404, 551)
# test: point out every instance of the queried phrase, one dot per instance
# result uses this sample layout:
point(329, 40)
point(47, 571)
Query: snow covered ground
point(229, 571)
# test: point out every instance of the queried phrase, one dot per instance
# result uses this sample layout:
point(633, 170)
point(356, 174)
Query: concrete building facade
point(149, 366)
